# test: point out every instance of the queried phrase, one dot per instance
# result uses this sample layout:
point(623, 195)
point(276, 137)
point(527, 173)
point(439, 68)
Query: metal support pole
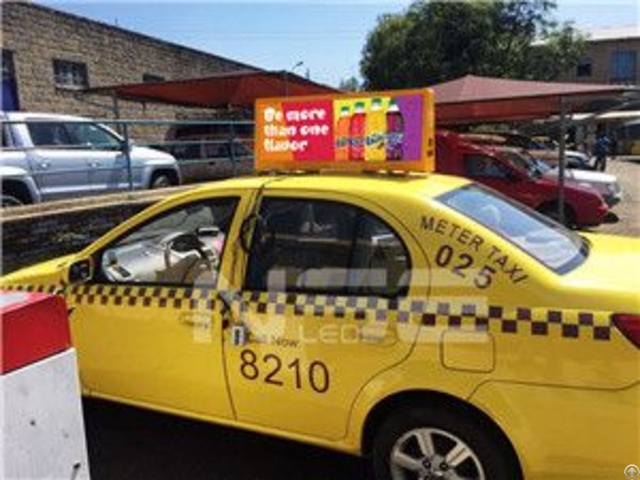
point(116, 109)
point(561, 159)
point(127, 154)
point(232, 150)
point(286, 83)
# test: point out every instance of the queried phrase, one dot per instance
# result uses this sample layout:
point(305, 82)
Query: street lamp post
point(286, 76)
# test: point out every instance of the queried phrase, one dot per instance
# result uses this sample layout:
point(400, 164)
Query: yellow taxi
point(421, 320)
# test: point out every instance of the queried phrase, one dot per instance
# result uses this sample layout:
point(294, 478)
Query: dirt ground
point(627, 169)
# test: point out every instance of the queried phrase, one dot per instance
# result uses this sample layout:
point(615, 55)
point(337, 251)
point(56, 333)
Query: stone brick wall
point(36, 35)
point(29, 241)
point(36, 233)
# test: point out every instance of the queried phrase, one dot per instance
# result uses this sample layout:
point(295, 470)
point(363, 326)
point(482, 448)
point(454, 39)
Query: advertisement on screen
point(391, 130)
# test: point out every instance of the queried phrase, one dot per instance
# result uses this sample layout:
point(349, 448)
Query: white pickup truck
point(51, 156)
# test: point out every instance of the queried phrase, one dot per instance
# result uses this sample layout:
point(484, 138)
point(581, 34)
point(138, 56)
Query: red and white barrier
point(40, 408)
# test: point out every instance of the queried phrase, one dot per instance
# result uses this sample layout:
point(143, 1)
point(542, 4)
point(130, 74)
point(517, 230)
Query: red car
point(583, 206)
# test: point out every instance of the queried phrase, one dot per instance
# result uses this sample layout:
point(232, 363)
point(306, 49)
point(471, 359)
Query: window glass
point(49, 134)
point(189, 151)
point(240, 150)
point(92, 135)
point(623, 66)
point(380, 262)
point(584, 69)
point(325, 247)
point(483, 166)
point(216, 148)
point(545, 240)
point(152, 78)
point(5, 136)
point(181, 247)
point(70, 74)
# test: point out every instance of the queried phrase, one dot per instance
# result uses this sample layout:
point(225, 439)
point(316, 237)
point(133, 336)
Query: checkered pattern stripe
point(537, 322)
point(132, 296)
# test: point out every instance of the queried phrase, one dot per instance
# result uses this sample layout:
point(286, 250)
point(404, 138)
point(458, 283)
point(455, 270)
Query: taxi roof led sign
point(366, 131)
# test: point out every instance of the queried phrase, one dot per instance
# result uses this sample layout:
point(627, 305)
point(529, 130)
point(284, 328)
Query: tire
point(551, 210)
point(8, 201)
point(14, 194)
point(162, 180)
point(481, 453)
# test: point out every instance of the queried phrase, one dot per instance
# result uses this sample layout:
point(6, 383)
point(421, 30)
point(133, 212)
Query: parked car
point(205, 158)
point(540, 150)
point(242, 130)
point(583, 206)
point(50, 156)
point(605, 184)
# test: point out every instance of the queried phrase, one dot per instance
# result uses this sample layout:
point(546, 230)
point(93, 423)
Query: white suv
point(50, 156)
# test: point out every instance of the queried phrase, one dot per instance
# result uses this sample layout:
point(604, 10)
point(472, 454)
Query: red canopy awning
point(238, 89)
point(472, 99)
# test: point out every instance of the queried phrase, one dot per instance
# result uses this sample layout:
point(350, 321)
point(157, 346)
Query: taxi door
point(325, 302)
point(148, 326)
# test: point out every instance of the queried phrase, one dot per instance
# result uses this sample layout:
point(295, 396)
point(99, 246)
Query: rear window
point(556, 247)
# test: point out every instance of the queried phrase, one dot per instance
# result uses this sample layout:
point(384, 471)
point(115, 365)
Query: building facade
point(50, 57)
point(612, 56)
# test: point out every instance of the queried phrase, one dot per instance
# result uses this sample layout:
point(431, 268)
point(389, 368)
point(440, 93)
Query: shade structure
point(473, 99)
point(237, 89)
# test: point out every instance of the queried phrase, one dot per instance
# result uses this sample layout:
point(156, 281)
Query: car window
point(540, 237)
point(5, 136)
point(93, 136)
point(240, 150)
point(217, 149)
point(180, 247)
point(49, 134)
point(191, 150)
point(483, 166)
point(325, 247)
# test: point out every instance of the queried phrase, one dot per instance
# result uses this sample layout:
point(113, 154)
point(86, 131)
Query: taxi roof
point(366, 184)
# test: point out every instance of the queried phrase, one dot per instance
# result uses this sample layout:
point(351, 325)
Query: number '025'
point(274, 372)
point(462, 262)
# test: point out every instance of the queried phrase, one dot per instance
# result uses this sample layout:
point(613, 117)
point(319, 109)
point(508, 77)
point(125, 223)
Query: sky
point(327, 35)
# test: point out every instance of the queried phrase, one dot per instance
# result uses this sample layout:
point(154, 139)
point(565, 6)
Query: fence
point(56, 157)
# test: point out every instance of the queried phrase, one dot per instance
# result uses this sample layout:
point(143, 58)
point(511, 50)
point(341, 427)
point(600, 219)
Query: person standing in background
point(601, 150)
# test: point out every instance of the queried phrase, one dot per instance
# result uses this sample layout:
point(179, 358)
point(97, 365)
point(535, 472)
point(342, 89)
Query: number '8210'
point(272, 370)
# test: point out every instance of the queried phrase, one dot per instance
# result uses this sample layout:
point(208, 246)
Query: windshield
point(550, 243)
point(523, 161)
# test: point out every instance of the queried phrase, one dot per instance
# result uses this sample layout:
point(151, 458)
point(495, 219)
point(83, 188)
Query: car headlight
point(613, 188)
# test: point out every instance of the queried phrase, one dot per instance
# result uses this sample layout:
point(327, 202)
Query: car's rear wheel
point(10, 201)
point(432, 443)
point(14, 194)
point(551, 210)
point(163, 180)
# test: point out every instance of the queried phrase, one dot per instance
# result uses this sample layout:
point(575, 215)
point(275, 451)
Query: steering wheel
point(183, 242)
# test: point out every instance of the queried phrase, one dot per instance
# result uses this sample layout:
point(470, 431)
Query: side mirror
point(125, 147)
point(81, 271)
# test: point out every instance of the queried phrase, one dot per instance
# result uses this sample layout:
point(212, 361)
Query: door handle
point(44, 164)
point(94, 164)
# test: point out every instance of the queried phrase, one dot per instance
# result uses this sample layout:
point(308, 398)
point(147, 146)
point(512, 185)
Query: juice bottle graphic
point(357, 132)
point(343, 134)
point(395, 132)
point(376, 131)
